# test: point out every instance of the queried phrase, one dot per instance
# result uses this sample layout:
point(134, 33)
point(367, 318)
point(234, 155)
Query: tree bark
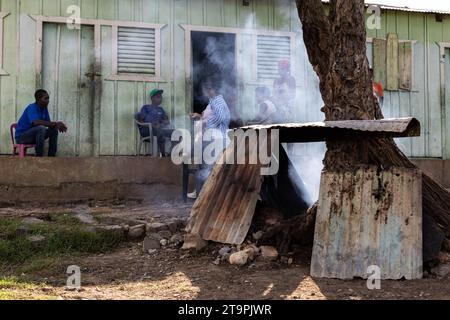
point(336, 46)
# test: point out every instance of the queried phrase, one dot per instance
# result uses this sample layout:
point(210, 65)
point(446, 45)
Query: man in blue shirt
point(156, 115)
point(34, 127)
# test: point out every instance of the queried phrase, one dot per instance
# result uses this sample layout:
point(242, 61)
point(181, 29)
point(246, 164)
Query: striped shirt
point(220, 118)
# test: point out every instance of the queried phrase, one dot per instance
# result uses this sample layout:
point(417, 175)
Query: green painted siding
point(64, 66)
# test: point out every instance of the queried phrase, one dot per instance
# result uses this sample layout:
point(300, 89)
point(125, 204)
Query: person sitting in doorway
point(156, 115)
point(284, 91)
point(267, 110)
point(35, 126)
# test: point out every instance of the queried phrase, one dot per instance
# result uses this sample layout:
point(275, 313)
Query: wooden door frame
point(97, 23)
point(445, 127)
point(239, 32)
point(3, 15)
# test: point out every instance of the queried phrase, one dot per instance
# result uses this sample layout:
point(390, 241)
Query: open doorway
point(214, 59)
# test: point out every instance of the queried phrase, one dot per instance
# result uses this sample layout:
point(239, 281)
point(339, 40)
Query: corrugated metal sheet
point(136, 51)
point(225, 208)
point(369, 218)
point(403, 8)
point(271, 50)
point(322, 131)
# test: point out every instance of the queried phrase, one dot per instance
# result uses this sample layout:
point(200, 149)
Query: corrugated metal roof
point(367, 218)
point(410, 7)
point(226, 205)
point(349, 129)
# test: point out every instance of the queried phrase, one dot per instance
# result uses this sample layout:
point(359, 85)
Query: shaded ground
point(128, 273)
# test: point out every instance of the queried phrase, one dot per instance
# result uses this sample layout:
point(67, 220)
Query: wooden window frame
point(3, 15)
point(413, 42)
point(98, 23)
point(136, 76)
point(238, 32)
point(444, 116)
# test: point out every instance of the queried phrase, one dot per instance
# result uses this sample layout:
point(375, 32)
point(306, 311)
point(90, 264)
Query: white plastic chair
point(150, 139)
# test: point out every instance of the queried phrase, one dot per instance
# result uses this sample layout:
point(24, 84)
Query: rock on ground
point(156, 227)
point(192, 241)
point(136, 232)
point(32, 221)
point(36, 241)
point(239, 258)
point(151, 244)
point(85, 218)
point(269, 253)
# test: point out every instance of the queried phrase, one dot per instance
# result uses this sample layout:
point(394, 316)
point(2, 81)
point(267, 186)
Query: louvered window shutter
point(271, 50)
point(136, 51)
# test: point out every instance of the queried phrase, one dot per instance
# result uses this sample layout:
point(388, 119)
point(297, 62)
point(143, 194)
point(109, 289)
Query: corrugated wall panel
point(376, 221)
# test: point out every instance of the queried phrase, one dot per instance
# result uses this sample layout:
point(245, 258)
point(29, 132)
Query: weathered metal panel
point(226, 205)
point(369, 218)
point(350, 129)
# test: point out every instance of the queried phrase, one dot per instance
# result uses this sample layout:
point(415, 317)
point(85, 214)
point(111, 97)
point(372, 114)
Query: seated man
point(267, 110)
point(34, 127)
point(156, 115)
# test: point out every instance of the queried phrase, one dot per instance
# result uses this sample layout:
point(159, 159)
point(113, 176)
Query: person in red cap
point(377, 89)
point(284, 90)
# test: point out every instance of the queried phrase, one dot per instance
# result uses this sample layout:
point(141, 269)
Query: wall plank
point(8, 84)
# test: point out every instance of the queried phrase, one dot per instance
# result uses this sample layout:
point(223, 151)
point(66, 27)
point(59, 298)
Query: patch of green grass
point(63, 234)
point(15, 283)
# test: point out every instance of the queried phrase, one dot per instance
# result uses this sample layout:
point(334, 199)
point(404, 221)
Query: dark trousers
point(38, 135)
point(161, 134)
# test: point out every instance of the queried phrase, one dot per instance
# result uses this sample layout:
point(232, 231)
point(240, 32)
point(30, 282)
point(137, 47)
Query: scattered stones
point(251, 251)
point(85, 218)
point(192, 241)
point(136, 232)
point(156, 227)
point(36, 241)
point(442, 271)
point(258, 235)
point(176, 239)
point(155, 236)
point(151, 244)
point(172, 226)
point(164, 242)
point(116, 230)
point(32, 221)
point(217, 261)
point(224, 251)
point(269, 253)
point(239, 258)
point(165, 234)
point(152, 251)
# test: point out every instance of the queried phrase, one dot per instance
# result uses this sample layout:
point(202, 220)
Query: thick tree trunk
point(336, 45)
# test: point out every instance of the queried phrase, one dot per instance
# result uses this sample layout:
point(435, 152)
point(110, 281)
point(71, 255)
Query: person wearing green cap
point(156, 115)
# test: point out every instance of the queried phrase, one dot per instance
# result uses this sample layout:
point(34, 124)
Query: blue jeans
point(38, 135)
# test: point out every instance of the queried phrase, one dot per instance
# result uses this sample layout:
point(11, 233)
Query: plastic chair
point(19, 149)
point(145, 139)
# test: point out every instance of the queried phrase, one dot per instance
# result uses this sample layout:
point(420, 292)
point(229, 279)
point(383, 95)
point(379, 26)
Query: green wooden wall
point(119, 100)
point(424, 100)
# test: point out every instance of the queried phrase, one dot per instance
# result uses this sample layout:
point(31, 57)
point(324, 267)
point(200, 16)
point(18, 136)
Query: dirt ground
point(173, 274)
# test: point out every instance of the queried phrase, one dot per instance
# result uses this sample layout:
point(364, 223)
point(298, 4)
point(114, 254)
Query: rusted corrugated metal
point(413, 6)
point(354, 129)
point(226, 205)
point(369, 218)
